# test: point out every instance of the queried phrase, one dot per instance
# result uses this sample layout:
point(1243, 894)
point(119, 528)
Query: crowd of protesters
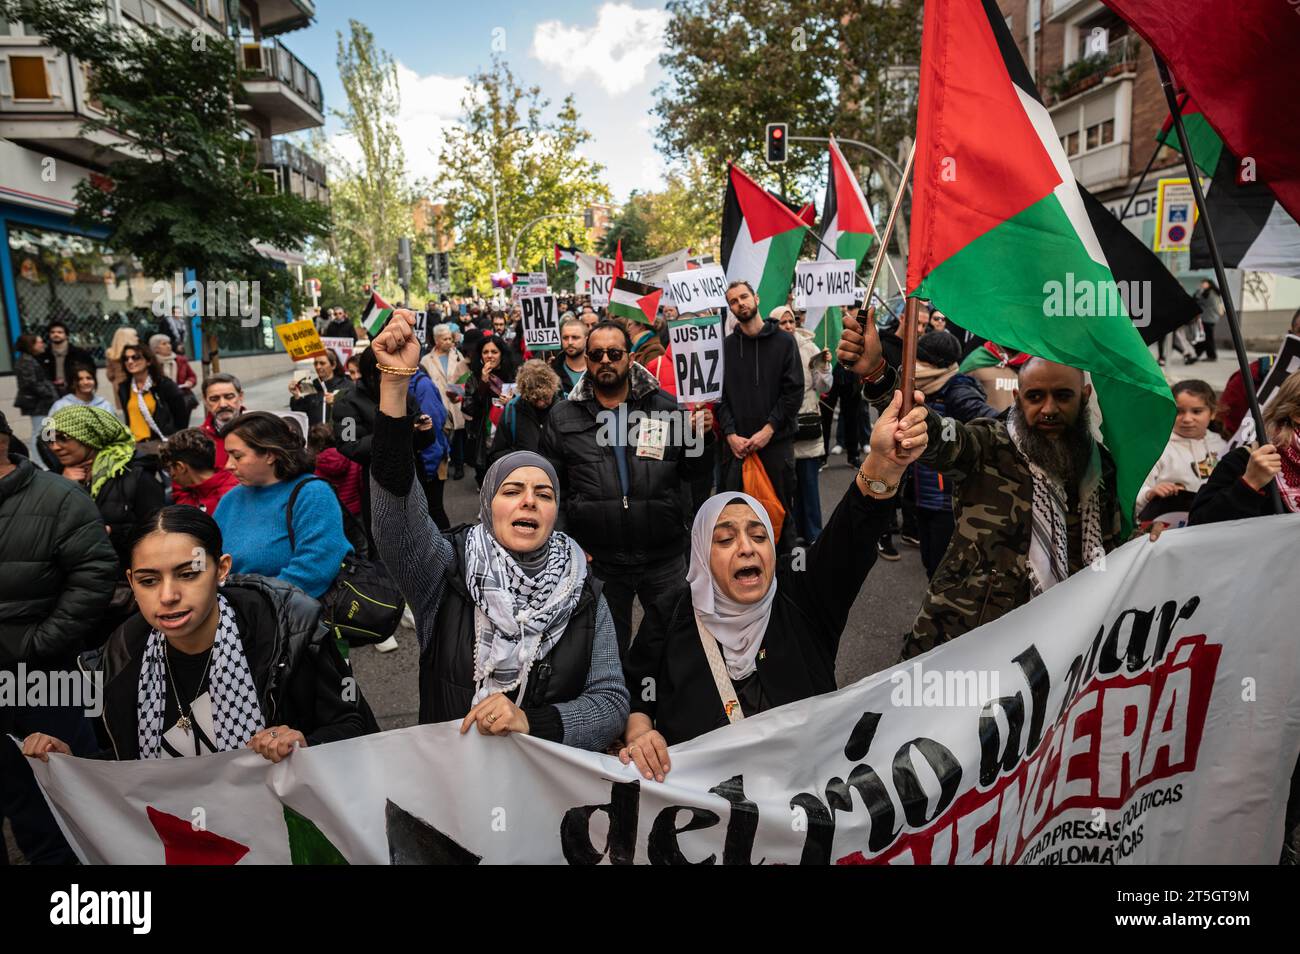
point(160, 552)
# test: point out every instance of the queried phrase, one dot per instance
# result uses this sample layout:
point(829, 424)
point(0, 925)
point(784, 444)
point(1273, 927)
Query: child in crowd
point(1188, 460)
point(343, 474)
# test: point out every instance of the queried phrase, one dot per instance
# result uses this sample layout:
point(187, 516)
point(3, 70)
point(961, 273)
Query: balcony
point(280, 88)
point(281, 16)
point(45, 103)
point(294, 170)
point(1120, 58)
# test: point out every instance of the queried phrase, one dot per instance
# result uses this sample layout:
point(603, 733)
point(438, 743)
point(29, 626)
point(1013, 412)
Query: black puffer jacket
point(295, 664)
point(650, 523)
point(169, 411)
point(36, 392)
point(56, 568)
point(131, 497)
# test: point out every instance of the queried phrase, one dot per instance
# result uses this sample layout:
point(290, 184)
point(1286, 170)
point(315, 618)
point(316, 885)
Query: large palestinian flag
point(1252, 229)
point(566, 258)
point(634, 301)
point(847, 228)
point(376, 314)
point(1000, 231)
point(760, 239)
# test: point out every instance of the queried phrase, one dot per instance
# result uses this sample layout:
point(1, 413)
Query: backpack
point(363, 604)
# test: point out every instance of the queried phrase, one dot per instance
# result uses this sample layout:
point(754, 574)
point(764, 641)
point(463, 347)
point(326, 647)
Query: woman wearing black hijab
point(514, 633)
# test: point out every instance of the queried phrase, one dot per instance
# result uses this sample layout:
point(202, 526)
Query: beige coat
point(457, 366)
point(816, 380)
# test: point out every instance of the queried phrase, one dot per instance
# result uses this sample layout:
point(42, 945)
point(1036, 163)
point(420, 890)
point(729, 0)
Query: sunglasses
point(598, 355)
point(133, 356)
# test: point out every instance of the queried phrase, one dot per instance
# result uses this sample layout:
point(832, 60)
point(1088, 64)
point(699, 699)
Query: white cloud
point(430, 105)
point(617, 52)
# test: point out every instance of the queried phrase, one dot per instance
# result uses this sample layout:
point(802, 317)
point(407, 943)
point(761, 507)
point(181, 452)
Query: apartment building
point(1100, 84)
point(50, 268)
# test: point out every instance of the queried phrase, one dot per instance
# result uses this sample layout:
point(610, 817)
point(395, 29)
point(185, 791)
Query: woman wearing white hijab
point(514, 633)
point(748, 632)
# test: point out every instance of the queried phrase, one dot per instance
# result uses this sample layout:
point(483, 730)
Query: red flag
point(1238, 63)
point(618, 260)
point(808, 214)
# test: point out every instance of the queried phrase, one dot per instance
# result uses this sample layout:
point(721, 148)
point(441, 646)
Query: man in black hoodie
point(762, 388)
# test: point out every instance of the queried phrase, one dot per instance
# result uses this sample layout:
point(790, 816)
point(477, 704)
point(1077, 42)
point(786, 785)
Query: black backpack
point(363, 604)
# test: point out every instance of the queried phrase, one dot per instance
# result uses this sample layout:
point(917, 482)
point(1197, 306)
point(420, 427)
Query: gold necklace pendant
point(184, 723)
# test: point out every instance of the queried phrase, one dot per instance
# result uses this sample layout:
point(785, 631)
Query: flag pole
point(1141, 181)
point(908, 331)
point(1230, 310)
point(889, 226)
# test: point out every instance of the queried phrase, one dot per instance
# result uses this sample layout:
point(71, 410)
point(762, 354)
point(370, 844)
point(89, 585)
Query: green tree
point(510, 139)
point(372, 198)
point(631, 227)
point(842, 66)
point(190, 195)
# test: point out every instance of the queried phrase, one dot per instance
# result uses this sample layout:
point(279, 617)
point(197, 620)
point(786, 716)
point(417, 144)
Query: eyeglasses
point(598, 355)
point(132, 357)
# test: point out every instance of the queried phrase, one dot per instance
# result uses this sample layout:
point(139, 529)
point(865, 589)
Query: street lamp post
point(862, 145)
point(514, 245)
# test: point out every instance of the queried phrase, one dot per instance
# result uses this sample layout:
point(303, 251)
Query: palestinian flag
point(376, 314)
point(1250, 225)
point(566, 258)
point(848, 229)
point(760, 239)
point(996, 244)
point(634, 301)
point(1205, 142)
point(1238, 63)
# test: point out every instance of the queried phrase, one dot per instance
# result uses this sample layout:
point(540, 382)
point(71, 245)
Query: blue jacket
point(426, 395)
point(962, 399)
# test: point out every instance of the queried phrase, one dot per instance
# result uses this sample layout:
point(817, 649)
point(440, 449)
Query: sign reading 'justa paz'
point(541, 322)
point(696, 345)
point(825, 283)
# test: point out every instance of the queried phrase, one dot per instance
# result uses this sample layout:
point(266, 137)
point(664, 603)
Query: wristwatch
point(877, 487)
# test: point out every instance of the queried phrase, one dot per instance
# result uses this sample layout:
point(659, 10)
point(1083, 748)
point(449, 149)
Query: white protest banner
point(696, 347)
point(825, 283)
point(596, 275)
point(697, 289)
point(532, 283)
point(1141, 712)
point(343, 347)
point(541, 318)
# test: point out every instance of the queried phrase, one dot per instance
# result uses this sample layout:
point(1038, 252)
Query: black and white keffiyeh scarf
point(1049, 544)
point(518, 618)
point(236, 713)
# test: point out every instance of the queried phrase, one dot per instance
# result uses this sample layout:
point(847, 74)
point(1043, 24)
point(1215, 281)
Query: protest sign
point(696, 347)
point(343, 347)
point(421, 327)
point(541, 319)
point(531, 283)
point(1133, 714)
point(300, 338)
point(595, 276)
point(826, 283)
point(697, 289)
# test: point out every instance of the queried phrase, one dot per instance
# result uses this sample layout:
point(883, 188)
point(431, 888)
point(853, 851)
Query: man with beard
point(1034, 495)
point(622, 450)
point(762, 389)
point(223, 398)
point(571, 361)
point(62, 358)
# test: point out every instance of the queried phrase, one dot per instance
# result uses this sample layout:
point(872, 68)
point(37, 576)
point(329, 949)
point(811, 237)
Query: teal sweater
point(256, 537)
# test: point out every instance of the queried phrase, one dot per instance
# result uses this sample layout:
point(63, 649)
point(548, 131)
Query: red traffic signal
point(776, 139)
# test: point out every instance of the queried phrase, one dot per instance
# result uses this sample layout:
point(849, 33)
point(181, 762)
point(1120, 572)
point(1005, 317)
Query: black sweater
point(797, 658)
point(1226, 496)
point(762, 383)
point(295, 664)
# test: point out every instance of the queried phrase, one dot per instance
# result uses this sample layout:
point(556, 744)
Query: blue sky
point(605, 53)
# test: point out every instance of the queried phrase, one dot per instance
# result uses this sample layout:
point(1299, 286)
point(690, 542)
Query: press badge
point(651, 438)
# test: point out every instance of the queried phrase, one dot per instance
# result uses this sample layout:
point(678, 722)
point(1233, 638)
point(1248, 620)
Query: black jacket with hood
point(762, 383)
point(296, 668)
point(647, 524)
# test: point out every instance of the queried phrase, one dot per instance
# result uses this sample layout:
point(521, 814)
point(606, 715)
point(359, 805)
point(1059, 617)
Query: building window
point(1099, 134)
point(27, 74)
point(1070, 143)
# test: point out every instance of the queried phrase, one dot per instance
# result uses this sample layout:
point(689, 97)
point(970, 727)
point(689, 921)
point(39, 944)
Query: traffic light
point(776, 136)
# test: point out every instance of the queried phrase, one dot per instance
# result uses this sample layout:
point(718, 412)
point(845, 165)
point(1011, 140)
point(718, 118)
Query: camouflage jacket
point(985, 570)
